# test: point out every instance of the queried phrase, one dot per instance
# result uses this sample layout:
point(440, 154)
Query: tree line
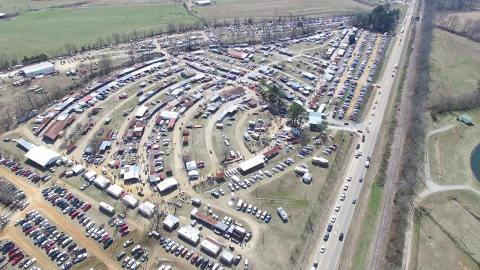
point(381, 19)
point(468, 28)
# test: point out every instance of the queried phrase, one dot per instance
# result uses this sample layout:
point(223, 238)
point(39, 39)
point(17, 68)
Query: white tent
point(193, 174)
point(101, 182)
point(130, 200)
point(167, 185)
point(167, 115)
point(42, 156)
point(77, 169)
point(90, 175)
point(191, 165)
point(115, 191)
point(146, 208)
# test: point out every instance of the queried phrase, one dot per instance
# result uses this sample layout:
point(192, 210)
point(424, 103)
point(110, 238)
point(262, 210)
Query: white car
point(334, 218)
point(337, 208)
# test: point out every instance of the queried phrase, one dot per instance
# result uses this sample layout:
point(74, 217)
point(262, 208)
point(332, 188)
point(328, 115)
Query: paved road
point(356, 167)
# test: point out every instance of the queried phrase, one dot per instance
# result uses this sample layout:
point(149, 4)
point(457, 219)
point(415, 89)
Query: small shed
point(466, 119)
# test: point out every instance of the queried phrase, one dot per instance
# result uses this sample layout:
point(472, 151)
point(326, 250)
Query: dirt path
point(37, 203)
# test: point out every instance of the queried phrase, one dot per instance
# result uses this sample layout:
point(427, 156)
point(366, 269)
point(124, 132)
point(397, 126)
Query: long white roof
point(115, 190)
point(251, 163)
point(167, 184)
point(42, 156)
point(147, 208)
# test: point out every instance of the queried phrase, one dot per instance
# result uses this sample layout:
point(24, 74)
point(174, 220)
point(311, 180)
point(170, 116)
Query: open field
point(449, 151)
point(448, 233)
point(49, 30)
point(303, 204)
point(12, 6)
point(229, 9)
point(453, 69)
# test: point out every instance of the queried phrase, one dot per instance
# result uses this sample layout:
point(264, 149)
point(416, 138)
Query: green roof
point(465, 118)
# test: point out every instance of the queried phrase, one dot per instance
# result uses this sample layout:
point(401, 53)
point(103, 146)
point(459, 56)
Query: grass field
point(304, 205)
point(363, 244)
point(12, 6)
point(453, 71)
point(228, 9)
point(449, 151)
point(448, 237)
point(453, 67)
point(49, 30)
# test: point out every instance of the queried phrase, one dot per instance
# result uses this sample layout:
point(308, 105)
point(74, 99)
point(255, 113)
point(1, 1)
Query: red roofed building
point(237, 54)
point(272, 152)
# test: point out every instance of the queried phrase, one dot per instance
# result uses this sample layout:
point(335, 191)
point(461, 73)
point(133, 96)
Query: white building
point(141, 111)
point(78, 169)
point(167, 185)
point(101, 182)
point(146, 209)
point(130, 200)
point(171, 222)
point(115, 191)
point(203, 2)
point(252, 164)
point(189, 235)
point(90, 176)
point(210, 248)
point(42, 156)
point(45, 68)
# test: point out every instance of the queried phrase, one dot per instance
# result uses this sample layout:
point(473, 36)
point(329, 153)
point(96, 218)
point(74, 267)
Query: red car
point(87, 207)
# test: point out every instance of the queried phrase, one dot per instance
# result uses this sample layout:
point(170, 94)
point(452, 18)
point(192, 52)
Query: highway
point(327, 253)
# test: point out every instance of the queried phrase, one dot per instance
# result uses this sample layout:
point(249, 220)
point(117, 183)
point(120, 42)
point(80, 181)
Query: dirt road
point(75, 230)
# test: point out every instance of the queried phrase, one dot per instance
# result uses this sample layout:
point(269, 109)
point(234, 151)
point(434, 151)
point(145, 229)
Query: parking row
point(58, 246)
point(13, 255)
point(24, 172)
point(76, 209)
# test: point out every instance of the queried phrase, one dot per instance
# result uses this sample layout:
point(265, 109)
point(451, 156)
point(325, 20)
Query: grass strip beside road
point(363, 246)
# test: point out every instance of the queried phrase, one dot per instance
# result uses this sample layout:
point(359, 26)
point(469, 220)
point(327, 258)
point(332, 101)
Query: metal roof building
point(250, 165)
point(115, 191)
point(171, 222)
point(44, 68)
point(42, 156)
point(146, 209)
point(189, 235)
point(167, 185)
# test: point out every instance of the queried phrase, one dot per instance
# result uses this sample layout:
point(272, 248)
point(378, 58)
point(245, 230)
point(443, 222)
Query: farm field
point(49, 30)
point(453, 69)
point(229, 9)
point(446, 236)
point(12, 6)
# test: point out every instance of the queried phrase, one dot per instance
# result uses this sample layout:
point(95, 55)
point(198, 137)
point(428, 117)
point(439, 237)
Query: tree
point(297, 114)
point(105, 64)
point(351, 39)
point(271, 93)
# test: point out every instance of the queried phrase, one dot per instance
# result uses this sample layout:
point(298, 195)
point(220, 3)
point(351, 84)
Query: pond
point(475, 162)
